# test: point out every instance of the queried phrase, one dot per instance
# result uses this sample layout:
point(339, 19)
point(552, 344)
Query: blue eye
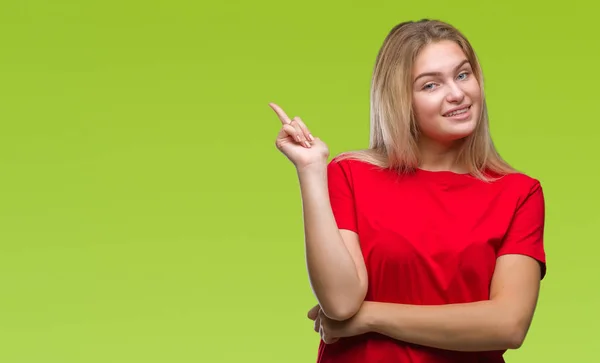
point(462, 74)
point(428, 86)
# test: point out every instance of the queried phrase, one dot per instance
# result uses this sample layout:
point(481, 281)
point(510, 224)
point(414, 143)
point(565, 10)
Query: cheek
point(474, 91)
point(426, 106)
point(427, 112)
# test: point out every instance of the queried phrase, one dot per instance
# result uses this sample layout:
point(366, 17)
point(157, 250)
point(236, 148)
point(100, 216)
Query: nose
point(455, 93)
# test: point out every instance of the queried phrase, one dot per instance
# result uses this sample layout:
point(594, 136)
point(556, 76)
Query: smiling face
point(446, 93)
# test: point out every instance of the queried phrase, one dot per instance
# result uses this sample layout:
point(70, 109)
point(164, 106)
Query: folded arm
point(499, 323)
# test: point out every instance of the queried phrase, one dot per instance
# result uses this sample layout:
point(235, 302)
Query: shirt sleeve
point(525, 234)
point(341, 195)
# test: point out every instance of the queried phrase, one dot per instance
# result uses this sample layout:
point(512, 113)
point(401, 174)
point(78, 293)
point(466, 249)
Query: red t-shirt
point(430, 238)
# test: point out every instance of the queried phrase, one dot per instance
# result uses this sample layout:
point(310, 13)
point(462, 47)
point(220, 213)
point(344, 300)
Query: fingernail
point(310, 137)
point(307, 143)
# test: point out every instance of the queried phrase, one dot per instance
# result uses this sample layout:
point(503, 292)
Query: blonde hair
point(394, 131)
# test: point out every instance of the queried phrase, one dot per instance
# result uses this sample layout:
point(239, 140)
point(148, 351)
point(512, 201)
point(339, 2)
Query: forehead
point(439, 57)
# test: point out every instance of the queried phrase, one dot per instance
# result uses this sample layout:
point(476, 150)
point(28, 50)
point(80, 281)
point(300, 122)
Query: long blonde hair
point(394, 131)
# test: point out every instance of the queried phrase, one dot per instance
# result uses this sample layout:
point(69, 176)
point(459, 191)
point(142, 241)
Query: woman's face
point(446, 94)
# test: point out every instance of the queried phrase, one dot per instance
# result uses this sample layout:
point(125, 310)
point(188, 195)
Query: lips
point(457, 111)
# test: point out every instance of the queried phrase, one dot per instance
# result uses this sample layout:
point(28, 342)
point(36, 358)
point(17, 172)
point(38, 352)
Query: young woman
point(426, 247)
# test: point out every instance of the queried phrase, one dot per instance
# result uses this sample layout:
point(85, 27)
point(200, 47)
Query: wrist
point(312, 169)
point(368, 317)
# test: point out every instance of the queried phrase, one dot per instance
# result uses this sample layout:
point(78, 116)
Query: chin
point(449, 131)
point(462, 135)
point(456, 134)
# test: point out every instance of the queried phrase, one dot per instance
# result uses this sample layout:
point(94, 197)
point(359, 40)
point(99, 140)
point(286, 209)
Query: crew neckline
point(440, 172)
point(442, 175)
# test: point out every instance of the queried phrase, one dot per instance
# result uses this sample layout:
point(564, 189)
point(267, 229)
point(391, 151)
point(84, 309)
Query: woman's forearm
point(331, 269)
point(477, 326)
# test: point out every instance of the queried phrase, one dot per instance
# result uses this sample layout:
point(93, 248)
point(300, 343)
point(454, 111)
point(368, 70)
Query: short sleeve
point(525, 234)
point(341, 195)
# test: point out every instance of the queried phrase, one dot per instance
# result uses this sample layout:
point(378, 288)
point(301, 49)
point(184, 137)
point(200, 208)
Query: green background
point(146, 216)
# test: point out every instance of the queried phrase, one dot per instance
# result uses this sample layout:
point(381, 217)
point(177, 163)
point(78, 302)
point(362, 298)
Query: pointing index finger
point(281, 114)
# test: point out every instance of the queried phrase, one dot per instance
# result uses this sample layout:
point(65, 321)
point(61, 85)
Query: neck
point(435, 156)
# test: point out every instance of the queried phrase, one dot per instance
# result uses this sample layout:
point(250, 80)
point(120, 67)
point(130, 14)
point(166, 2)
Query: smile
point(457, 112)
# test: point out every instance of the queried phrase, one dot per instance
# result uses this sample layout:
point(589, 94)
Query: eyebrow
point(438, 73)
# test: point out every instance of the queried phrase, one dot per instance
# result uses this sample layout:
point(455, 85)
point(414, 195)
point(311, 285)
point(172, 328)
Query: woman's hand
point(332, 330)
point(295, 141)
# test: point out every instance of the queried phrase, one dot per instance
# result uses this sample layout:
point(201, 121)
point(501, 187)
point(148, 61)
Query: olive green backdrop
point(146, 216)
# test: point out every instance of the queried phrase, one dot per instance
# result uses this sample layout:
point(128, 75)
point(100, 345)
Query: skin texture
point(443, 80)
point(435, 94)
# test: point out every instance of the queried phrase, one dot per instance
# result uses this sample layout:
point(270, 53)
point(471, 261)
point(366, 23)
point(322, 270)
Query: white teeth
point(458, 112)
